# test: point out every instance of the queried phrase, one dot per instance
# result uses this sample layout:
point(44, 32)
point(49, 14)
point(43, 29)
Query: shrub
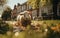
point(4, 27)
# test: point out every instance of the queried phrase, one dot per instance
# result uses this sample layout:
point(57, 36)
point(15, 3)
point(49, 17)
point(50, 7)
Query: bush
point(6, 15)
point(4, 27)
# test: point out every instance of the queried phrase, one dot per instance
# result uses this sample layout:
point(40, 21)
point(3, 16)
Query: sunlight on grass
point(25, 34)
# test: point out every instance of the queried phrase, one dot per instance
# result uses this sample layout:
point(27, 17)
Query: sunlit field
point(29, 33)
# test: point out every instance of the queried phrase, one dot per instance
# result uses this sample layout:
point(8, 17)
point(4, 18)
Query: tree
point(6, 14)
point(36, 4)
point(32, 3)
point(2, 2)
point(55, 3)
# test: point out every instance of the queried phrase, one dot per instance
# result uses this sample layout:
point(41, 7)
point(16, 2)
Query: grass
point(25, 34)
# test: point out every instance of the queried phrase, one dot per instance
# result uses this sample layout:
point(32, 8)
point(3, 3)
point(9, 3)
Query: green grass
point(33, 34)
